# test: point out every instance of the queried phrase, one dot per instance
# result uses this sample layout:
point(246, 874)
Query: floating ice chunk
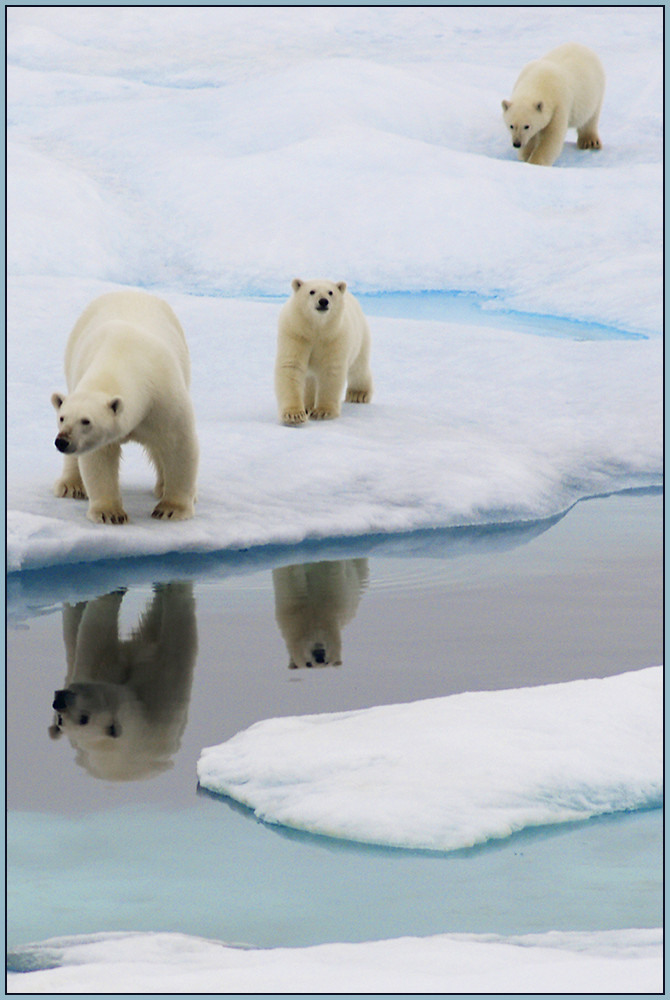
point(449, 773)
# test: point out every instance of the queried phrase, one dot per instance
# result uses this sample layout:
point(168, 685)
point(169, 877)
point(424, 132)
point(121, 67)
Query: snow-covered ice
point(597, 962)
point(449, 773)
point(211, 154)
point(241, 147)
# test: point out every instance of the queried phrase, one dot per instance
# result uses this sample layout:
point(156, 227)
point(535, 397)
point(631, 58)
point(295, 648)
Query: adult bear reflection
point(125, 701)
point(313, 602)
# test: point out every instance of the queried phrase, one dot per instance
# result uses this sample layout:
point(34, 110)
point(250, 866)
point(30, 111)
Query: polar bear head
point(524, 119)
point(107, 726)
point(319, 300)
point(86, 421)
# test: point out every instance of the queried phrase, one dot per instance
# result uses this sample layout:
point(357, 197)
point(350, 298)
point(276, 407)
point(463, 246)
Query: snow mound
point(628, 961)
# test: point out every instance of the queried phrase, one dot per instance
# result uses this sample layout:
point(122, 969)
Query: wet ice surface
point(444, 612)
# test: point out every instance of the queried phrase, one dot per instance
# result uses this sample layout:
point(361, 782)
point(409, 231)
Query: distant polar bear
point(313, 602)
point(323, 346)
point(128, 375)
point(562, 90)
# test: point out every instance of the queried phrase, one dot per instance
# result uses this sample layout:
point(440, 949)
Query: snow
point(449, 773)
point(241, 147)
point(212, 154)
point(573, 962)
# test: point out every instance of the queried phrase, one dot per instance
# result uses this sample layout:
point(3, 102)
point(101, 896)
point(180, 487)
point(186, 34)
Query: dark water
point(155, 659)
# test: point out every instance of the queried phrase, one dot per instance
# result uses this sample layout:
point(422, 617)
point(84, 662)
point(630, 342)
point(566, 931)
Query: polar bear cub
point(323, 345)
point(313, 603)
point(562, 90)
point(128, 373)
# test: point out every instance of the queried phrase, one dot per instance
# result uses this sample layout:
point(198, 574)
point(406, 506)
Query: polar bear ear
point(116, 405)
point(57, 400)
point(506, 105)
point(296, 284)
point(538, 106)
point(342, 285)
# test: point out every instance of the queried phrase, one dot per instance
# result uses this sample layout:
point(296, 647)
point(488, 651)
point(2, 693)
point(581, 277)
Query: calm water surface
point(149, 661)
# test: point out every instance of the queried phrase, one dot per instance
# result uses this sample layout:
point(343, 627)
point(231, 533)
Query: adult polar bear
point(128, 374)
point(323, 345)
point(562, 90)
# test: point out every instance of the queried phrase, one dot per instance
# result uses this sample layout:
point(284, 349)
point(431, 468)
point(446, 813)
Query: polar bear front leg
point(329, 391)
point(176, 456)
point(587, 134)
point(290, 375)
point(550, 141)
point(70, 483)
point(100, 472)
point(359, 379)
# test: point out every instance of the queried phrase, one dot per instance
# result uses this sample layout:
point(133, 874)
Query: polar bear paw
point(358, 396)
point(171, 510)
point(70, 488)
point(107, 514)
point(293, 416)
point(324, 413)
point(589, 142)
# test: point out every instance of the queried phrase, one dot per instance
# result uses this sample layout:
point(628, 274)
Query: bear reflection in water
point(313, 602)
point(125, 702)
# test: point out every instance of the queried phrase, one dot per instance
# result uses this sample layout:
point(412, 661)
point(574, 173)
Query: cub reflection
point(313, 602)
point(125, 702)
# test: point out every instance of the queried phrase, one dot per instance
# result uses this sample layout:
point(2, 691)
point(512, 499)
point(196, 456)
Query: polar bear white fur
point(562, 90)
point(128, 375)
point(124, 705)
point(323, 346)
point(313, 602)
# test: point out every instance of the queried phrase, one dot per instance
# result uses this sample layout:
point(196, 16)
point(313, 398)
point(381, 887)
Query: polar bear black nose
point(323, 303)
point(319, 654)
point(61, 443)
point(516, 144)
point(62, 699)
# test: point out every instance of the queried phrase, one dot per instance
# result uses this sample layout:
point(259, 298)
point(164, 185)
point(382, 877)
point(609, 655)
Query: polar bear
point(313, 602)
point(128, 373)
point(562, 90)
point(323, 345)
point(124, 705)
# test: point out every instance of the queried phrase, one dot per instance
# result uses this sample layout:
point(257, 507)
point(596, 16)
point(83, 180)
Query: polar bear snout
point(318, 654)
point(63, 700)
point(64, 444)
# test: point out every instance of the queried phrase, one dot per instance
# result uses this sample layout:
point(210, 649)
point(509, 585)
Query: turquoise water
point(480, 310)
point(214, 871)
point(124, 840)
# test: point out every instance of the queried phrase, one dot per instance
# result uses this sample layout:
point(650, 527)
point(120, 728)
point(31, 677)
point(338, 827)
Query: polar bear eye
point(85, 422)
point(83, 719)
point(526, 126)
point(313, 292)
point(331, 294)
